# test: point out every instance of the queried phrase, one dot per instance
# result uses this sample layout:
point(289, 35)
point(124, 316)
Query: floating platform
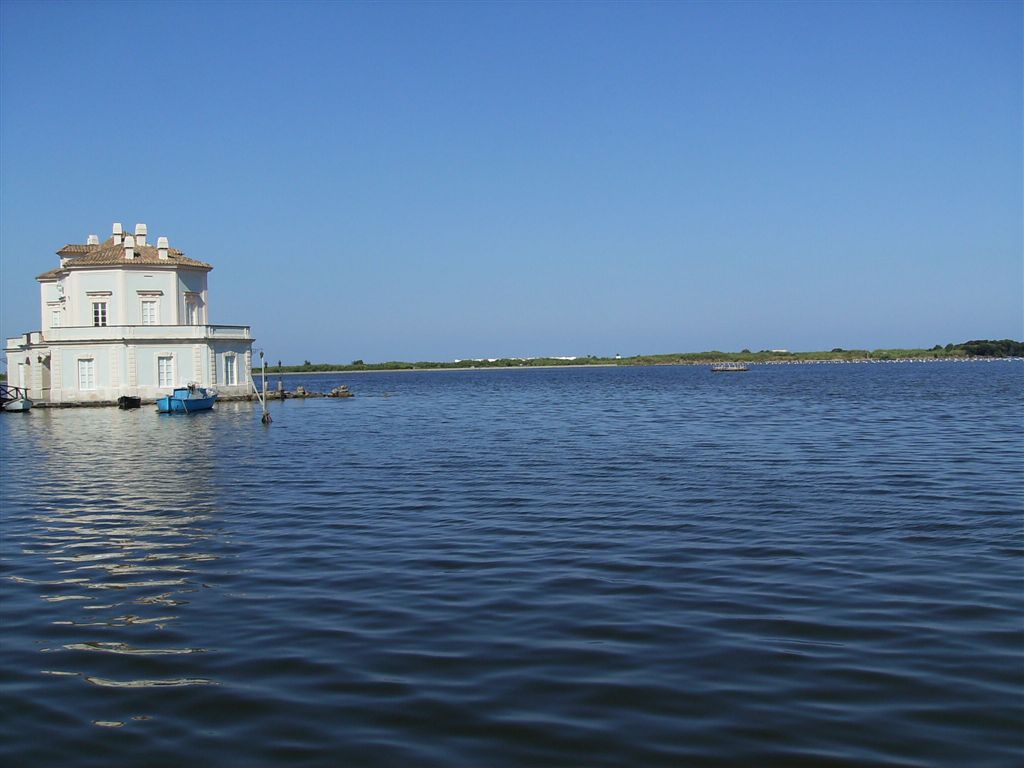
point(729, 368)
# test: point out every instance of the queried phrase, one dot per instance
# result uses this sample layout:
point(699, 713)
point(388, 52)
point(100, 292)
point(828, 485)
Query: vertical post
point(263, 365)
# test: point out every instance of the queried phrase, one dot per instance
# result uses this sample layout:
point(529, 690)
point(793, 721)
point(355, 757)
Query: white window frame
point(100, 313)
point(173, 370)
point(153, 303)
point(86, 365)
point(194, 308)
point(149, 296)
point(230, 369)
point(99, 308)
point(56, 313)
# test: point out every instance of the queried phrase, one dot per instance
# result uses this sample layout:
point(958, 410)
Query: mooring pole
point(263, 374)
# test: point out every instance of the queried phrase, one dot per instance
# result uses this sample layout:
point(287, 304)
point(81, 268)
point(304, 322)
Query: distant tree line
point(989, 348)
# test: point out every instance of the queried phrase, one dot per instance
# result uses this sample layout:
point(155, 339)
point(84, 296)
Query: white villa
point(124, 317)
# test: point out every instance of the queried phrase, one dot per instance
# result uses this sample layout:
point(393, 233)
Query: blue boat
point(187, 400)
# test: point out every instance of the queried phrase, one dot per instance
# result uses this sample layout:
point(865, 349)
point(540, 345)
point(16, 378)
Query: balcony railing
point(131, 333)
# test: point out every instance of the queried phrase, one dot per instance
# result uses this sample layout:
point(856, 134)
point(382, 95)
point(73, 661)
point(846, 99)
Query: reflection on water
point(123, 515)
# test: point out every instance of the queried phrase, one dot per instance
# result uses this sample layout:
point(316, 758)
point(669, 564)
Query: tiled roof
point(71, 249)
point(111, 253)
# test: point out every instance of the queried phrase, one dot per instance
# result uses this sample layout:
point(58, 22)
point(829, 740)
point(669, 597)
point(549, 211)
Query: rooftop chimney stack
point(129, 247)
point(93, 240)
point(161, 247)
point(140, 234)
point(118, 232)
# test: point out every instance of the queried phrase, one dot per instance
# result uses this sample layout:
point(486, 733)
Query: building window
point(99, 313)
point(149, 312)
point(87, 374)
point(165, 371)
point(230, 370)
point(55, 318)
point(191, 312)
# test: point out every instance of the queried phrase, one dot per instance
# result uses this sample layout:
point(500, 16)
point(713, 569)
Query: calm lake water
point(799, 565)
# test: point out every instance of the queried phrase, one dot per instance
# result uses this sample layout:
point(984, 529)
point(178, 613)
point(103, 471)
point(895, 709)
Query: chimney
point(129, 248)
point(161, 247)
point(140, 234)
point(118, 232)
point(93, 240)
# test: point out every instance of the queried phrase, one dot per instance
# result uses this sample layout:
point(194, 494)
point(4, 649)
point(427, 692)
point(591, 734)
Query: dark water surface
point(799, 565)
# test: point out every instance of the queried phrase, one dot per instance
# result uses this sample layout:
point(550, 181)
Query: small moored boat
point(187, 400)
point(14, 399)
point(729, 368)
point(126, 402)
point(18, 405)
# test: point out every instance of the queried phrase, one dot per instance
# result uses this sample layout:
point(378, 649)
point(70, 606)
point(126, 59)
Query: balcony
point(116, 333)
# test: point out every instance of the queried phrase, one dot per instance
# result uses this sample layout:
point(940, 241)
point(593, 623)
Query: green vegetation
point(977, 348)
point(985, 348)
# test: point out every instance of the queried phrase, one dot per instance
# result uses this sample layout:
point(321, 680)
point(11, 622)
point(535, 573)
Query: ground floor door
point(45, 383)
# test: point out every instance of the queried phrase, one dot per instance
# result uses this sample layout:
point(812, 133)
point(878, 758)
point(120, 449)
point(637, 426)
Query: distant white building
point(124, 317)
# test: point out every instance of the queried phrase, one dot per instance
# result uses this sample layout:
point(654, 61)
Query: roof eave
point(53, 274)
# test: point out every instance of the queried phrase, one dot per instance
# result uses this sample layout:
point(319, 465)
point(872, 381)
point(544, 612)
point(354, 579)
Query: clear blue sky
point(441, 180)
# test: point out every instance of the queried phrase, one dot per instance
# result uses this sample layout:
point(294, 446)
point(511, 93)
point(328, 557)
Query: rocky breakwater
point(301, 392)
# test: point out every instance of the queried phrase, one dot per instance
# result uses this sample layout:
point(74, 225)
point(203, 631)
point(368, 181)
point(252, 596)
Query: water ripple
point(803, 565)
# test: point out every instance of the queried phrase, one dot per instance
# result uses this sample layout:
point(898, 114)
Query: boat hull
point(186, 401)
point(14, 399)
point(176, 405)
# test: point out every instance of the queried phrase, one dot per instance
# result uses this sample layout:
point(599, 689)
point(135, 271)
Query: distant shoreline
point(440, 370)
point(967, 350)
point(822, 361)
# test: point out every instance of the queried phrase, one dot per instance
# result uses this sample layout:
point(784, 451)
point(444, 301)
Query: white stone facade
point(127, 318)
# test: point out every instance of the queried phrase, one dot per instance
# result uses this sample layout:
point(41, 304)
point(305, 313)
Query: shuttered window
point(87, 374)
point(165, 371)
